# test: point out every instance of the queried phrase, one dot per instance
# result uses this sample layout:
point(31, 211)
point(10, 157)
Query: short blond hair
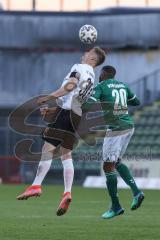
point(100, 54)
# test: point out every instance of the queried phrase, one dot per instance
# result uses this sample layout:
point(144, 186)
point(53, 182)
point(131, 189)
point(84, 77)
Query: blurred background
point(38, 45)
point(73, 5)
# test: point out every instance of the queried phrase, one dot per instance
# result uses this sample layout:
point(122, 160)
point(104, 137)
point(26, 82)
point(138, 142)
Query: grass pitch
point(35, 218)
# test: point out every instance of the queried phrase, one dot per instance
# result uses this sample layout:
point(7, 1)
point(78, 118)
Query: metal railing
point(147, 88)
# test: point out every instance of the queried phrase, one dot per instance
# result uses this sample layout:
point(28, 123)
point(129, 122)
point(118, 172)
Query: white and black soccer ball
point(88, 34)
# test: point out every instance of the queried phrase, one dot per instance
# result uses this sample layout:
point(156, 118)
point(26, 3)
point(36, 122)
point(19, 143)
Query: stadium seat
point(147, 132)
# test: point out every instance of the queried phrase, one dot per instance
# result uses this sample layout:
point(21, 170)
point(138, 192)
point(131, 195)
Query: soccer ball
point(88, 34)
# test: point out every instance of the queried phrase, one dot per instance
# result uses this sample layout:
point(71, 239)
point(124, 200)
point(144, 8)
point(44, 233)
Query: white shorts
point(115, 144)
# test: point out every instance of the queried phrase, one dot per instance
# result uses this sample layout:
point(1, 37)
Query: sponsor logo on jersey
point(112, 85)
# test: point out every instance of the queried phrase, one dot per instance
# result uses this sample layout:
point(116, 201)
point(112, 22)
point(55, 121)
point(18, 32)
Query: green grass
point(35, 219)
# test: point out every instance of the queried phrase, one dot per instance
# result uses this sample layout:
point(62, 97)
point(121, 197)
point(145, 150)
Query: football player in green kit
point(115, 97)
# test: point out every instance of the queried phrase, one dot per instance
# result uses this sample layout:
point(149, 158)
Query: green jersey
point(115, 97)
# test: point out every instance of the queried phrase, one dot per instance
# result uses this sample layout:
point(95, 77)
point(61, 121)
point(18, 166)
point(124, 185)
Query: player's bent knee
point(47, 147)
point(47, 152)
point(65, 154)
point(109, 167)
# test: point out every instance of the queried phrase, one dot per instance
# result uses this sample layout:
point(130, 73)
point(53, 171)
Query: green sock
point(112, 189)
point(125, 174)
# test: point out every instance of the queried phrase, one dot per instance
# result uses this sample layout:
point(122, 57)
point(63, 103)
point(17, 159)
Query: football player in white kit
point(75, 90)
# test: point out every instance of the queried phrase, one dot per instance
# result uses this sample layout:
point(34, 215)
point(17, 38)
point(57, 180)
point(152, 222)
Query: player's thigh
point(111, 148)
point(47, 151)
point(65, 153)
point(47, 147)
point(125, 140)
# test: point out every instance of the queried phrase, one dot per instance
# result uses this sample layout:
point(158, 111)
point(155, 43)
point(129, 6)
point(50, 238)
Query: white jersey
point(83, 90)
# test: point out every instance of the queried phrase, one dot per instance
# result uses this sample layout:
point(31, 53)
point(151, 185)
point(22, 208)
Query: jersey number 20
point(120, 98)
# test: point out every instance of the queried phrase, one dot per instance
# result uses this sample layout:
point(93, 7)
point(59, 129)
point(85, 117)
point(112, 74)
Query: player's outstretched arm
point(67, 88)
point(62, 91)
point(132, 99)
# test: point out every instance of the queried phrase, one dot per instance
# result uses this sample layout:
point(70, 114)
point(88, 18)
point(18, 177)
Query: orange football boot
point(64, 204)
point(32, 191)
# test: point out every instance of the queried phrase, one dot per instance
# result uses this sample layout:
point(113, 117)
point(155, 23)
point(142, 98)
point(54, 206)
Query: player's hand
point(45, 99)
point(49, 114)
point(42, 100)
point(43, 111)
point(48, 111)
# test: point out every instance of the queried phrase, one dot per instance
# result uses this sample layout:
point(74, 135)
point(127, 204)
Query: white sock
point(68, 174)
point(43, 168)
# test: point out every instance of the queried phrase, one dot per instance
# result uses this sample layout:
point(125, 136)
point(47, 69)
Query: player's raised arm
point(67, 88)
point(132, 99)
point(69, 85)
